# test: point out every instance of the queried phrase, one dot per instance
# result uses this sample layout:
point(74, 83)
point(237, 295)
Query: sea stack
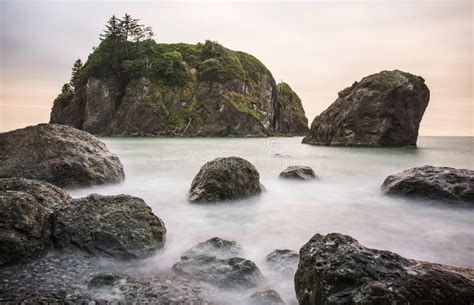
point(382, 110)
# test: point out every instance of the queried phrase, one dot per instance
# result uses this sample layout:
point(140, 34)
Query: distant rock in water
point(225, 179)
point(299, 173)
point(266, 297)
point(431, 182)
point(58, 154)
point(26, 208)
point(284, 261)
point(336, 269)
point(217, 247)
point(383, 109)
point(118, 226)
point(179, 90)
point(290, 118)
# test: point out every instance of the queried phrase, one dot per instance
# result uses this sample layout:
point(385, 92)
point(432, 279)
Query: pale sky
point(318, 47)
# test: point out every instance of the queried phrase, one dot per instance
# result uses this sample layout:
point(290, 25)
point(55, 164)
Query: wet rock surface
point(118, 226)
point(336, 269)
point(58, 154)
point(284, 261)
point(232, 273)
point(383, 109)
point(225, 179)
point(299, 173)
point(267, 297)
point(64, 279)
point(430, 182)
point(26, 208)
point(217, 247)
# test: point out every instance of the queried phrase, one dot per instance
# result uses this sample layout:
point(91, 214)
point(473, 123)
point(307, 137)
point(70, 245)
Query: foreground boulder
point(58, 154)
point(430, 182)
point(336, 269)
point(383, 109)
point(119, 226)
point(26, 208)
point(217, 247)
point(266, 297)
point(299, 173)
point(225, 179)
point(234, 273)
point(284, 261)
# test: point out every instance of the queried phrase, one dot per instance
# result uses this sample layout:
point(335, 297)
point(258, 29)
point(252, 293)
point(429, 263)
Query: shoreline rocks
point(336, 269)
point(383, 109)
point(215, 246)
point(305, 173)
point(284, 261)
point(118, 226)
point(61, 155)
point(26, 209)
point(223, 179)
point(434, 183)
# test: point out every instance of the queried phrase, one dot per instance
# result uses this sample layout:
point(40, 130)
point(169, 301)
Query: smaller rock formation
point(225, 179)
point(284, 261)
point(234, 273)
point(26, 208)
point(336, 269)
point(430, 182)
point(299, 173)
point(58, 154)
point(104, 281)
point(217, 247)
point(290, 118)
point(267, 297)
point(119, 226)
point(383, 109)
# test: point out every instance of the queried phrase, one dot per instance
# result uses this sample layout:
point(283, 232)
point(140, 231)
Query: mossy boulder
point(179, 90)
point(119, 226)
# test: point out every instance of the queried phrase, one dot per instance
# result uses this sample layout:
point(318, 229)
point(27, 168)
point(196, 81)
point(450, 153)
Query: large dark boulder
point(118, 226)
point(217, 247)
point(26, 208)
point(431, 182)
point(58, 154)
point(225, 179)
point(234, 273)
point(383, 109)
point(299, 173)
point(336, 269)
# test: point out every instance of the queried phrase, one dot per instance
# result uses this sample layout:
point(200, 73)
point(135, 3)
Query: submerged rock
point(234, 273)
point(430, 182)
point(225, 179)
point(267, 297)
point(217, 247)
point(284, 261)
point(383, 109)
point(119, 226)
point(336, 269)
point(104, 281)
point(26, 208)
point(58, 154)
point(299, 173)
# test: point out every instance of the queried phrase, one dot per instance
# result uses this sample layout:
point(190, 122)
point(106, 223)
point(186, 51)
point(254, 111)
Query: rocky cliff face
point(206, 90)
point(383, 109)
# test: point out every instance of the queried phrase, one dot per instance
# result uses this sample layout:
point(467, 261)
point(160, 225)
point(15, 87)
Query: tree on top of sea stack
point(383, 109)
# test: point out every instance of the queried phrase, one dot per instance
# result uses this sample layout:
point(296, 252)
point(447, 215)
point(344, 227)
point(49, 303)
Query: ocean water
point(347, 199)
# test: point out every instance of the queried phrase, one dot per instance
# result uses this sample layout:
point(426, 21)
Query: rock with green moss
point(118, 226)
point(178, 90)
point(383, 109)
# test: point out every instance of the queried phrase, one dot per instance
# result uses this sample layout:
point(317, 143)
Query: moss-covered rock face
point(178, 90)
point(290, 118)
